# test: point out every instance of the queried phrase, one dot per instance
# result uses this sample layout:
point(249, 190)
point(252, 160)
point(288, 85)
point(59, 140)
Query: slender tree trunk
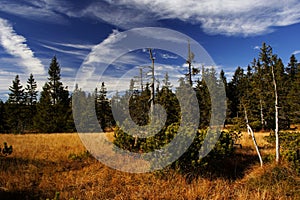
point(250, 132)
point(189, 62)
point(276, 117)
point(141, 77)
point(152, 84)
point(262, 115)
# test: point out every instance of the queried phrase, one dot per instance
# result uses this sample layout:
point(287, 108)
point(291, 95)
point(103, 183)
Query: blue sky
point(33, 31)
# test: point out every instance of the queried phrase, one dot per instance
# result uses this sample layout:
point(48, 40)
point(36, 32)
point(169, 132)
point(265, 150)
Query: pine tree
point(83, 107)
point(293, 98)
point(103, 108)
point(16, 102)
point(266, 87)
point(166, 82)
point(43, 120)
point(235, 88)
point(31, 100)
point(17, 92)
point(56, 97)
point(166, 98)
point(2, 117)
point(55, 85)
point(31, 91)
point(225, 84)
point(292, 67)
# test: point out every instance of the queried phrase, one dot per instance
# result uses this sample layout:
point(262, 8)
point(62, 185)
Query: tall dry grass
point(41, 165)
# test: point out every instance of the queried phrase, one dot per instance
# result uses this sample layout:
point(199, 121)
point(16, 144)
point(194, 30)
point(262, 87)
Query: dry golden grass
point(40, 166)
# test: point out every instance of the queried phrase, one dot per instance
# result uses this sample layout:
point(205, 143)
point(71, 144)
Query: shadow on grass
point(15, 164)
point(18, 195)
point(229, 168)
point(29, 174)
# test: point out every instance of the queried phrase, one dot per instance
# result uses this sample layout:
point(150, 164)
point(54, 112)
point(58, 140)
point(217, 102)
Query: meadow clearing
point(42, 165)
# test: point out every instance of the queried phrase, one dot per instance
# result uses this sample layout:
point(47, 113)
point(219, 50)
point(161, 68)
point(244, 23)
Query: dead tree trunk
point(262, 115)
point(276, 117)
point(250, 132)
point(189, 62)
point(152, 84)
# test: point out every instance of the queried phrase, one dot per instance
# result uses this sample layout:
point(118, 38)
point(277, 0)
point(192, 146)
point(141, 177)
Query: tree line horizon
point(249, 91)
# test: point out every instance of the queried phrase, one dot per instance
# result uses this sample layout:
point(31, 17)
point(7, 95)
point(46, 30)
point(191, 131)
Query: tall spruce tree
point(43, 120)
point(103, 108)
point(31, 100)
point(16, 95)
point(3, 125)
point(31, 91)
point(292, 67)
point(293, 96)
point(56, 98)
point(166, 98)
point(1, 116)
point(16, 102)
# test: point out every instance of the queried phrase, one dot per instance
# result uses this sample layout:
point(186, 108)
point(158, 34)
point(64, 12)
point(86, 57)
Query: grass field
point(43, 164)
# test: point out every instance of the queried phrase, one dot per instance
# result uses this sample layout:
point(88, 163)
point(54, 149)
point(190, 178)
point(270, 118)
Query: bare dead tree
point(276, 117)
point(262, 118)
point(250, 132)
point(152, 81)
point(189, 62)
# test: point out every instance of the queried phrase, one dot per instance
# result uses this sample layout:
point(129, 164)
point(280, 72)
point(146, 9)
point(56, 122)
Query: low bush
point(289, 147)
point(190, 159)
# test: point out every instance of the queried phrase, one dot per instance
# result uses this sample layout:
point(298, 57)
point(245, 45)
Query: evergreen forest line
point(250, 92)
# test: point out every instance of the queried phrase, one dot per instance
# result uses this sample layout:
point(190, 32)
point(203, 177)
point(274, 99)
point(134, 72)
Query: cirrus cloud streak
point(16, 46)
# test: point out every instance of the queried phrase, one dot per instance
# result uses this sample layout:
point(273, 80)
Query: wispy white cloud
point(115, 62)
point(256, 47)
point(16, 46)
point(122, 16)
point(296, 52)
point(228, 17)
point(168, 56)
point(76, 46)
point(38, 10)
point(76, 53)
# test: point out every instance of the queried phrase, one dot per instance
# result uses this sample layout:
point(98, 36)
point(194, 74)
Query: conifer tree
point(17, 92)
point(103, 107)
point(3, 125)
point(56, 98)
point(292, 67)
point(43, 120)
point(31, 91)
point(293, 98)
point(31, 100)
point(16, 102)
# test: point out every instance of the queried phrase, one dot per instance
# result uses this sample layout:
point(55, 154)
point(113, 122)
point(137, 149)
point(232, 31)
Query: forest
point(264, 97)
point(263, 101)
point(249, 90)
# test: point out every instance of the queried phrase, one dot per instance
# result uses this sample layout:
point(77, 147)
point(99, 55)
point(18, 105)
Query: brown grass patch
point(40, 166)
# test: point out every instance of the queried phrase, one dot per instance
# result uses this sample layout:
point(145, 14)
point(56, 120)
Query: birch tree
point(250, 132)
point(276, 113)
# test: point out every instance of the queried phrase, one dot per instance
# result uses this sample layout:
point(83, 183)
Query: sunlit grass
point(41, 165)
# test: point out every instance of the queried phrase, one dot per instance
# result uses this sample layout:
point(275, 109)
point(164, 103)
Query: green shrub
point(56, 197)
point(190, 159)
point(80, 157)
point(290, 147)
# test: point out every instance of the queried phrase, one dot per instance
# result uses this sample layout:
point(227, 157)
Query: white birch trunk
point(262, 115)
point(276, 117)
point(250, 132)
